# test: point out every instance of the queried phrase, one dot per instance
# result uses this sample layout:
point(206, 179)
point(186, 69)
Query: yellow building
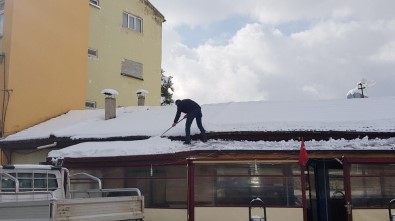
point(57, 56)
point(43, 61)
point(125, 43)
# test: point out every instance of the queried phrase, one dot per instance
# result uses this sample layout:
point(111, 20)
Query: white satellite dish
point(358, 92)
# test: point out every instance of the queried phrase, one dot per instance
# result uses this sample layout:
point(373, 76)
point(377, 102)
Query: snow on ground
point(370, 114)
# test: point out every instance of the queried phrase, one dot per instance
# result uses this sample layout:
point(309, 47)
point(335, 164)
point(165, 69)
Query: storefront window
point(236, 184)
point(215, 184)
point(372, 186)
point(162, 186)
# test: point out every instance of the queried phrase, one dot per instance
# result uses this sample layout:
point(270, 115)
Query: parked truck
point(44, 192)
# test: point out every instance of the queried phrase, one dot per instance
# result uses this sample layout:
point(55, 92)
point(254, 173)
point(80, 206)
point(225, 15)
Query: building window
point(372, 186)
point(236, 184)
point(94, 3)
point(162, 186)
point(227, 184)
point(92, 53)
point(90, 105)
point(132, 22)
point(132, 69)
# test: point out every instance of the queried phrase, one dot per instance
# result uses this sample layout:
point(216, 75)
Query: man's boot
point(204, 137)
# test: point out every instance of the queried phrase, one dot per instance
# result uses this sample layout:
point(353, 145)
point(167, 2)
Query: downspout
point(191, 190)
point(3, 112)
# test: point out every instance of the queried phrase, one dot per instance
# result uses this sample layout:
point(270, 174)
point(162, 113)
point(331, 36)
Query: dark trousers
point(197, 113)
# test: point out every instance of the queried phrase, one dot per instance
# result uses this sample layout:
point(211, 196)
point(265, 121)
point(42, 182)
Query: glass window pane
point(163, 187)
point(237, 184)
point(7, 184)
point(125, 20)
point(138, 25)
point(52, 182)
point(372, 186)
point(131, 22)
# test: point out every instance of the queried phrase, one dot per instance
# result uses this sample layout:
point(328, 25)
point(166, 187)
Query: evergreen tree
point(167, 90)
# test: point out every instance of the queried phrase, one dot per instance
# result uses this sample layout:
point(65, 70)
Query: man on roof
point(192, 111)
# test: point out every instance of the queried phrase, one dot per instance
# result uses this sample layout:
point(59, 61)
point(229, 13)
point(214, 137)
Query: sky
point(230, 50)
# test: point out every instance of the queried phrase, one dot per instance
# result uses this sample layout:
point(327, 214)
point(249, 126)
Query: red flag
point(303, 154)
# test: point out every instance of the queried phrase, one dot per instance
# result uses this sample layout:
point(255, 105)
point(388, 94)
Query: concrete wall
point(28, 157)
point(45, 43)
point(114, 43)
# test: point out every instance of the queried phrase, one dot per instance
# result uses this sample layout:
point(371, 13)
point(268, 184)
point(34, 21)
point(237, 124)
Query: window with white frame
point(132, 22)
point(94, 2)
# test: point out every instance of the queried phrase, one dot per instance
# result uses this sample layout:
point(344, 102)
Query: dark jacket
point(186, 106)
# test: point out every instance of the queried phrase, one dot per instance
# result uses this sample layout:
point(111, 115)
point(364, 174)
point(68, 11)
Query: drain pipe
point(46, 146)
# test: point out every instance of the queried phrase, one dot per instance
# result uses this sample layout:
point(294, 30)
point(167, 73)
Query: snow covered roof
point(370, 115)
point(158, 145)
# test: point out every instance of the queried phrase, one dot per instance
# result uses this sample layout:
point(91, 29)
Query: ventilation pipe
point(141, 93)
point(109, 103)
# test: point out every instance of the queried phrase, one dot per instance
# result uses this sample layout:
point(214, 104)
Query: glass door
point(326, 194)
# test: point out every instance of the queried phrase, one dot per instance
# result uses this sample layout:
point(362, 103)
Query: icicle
point(151, 171)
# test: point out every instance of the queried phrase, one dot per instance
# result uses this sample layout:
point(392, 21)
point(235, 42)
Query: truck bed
point(108, 208)
point(85, 209)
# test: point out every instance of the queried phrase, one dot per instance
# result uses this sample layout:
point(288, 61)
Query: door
point(326, 192)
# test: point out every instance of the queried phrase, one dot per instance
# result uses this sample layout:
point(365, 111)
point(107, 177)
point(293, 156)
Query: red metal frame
point(191, 191)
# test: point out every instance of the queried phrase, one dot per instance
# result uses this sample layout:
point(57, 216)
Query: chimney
point(110, 103)
point(141, 100)
point(141, 96)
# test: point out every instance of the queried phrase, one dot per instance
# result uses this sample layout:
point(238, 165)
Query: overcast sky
point(232, 50)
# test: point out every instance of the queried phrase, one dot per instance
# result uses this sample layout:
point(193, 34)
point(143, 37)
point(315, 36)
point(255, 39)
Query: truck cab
point(43, 193)
point(33, 182)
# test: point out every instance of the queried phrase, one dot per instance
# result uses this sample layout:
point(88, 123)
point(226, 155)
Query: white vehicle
point(43, 192)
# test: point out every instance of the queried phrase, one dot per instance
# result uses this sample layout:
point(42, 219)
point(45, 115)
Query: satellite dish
point(358, 92)
point(367, 83)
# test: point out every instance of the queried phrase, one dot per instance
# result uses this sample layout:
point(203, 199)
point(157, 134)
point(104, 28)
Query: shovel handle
point(174, 125)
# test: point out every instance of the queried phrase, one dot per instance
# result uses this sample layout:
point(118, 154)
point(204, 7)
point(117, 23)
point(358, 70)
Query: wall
point(165, 215)
point(369, 214)
point(28, 156)
point(45, 43)
point(237, 213)
point(113, 43)
point(223, 214)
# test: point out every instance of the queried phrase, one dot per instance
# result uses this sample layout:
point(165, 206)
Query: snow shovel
point(172, 126)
